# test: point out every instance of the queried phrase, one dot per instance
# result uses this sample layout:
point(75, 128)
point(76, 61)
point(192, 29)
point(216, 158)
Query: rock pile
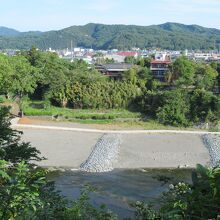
point(103, 155)
point(212, 142)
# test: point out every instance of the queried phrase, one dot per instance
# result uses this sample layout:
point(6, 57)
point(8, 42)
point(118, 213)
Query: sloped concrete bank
point(212, 142)
point(103, 155)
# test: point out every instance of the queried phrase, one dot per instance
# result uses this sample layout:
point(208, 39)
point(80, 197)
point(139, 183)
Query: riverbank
point(70, 149)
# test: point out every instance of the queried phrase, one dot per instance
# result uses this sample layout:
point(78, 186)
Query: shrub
point(205, 106)
point(199, 200)
point(175, 109)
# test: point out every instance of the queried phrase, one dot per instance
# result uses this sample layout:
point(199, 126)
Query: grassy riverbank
point(40, 108)
point(101, 118)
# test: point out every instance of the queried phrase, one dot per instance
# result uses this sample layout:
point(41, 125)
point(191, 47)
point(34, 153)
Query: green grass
point(36, 108)
point(118, 118)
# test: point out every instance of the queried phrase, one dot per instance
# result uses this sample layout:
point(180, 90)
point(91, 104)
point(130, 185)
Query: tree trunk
point(64, 103)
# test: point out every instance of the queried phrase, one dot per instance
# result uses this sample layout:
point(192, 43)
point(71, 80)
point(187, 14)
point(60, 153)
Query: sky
point(43, 15)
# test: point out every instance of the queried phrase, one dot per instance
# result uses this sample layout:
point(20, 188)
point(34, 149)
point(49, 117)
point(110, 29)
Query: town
point(114, 62)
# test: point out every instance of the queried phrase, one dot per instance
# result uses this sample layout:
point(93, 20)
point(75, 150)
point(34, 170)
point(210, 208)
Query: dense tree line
point(99, 36)
point(187, 96)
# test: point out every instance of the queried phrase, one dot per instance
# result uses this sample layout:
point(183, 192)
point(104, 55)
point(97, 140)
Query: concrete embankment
point(104, 155)
point(70, 149)
point(212, 142)
point(70, 146)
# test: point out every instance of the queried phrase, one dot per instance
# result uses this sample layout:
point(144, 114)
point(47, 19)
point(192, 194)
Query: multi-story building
point(160, 65)
point(114, 70)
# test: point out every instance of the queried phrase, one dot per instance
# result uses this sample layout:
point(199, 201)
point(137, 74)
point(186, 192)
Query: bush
point(2, 99)
point(205, 106)
point(175, 109)
point(11, 147)
point(199, 200)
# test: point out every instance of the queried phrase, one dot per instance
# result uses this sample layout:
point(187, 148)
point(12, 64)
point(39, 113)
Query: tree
point(20, 191)
point(216, 66)
point(204, 106)
point(11, 147)
point(130, 59)
point(24, 78)
point(130, 75)
point(144, 62)
point(205, 77)
point(174, 110)
point(6, 75)
point(183, 72)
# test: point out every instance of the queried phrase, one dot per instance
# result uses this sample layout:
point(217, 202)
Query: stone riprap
point(212, 142)
point(103, 155)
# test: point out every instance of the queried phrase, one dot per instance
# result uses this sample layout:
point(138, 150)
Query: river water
point(118, 188)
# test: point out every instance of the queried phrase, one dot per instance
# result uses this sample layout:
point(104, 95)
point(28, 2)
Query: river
point(118, 188)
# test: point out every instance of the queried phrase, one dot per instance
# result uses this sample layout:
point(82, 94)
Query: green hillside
point(4, 31)
point(99, 36)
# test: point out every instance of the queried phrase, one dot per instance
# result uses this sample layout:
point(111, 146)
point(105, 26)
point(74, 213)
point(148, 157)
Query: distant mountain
point(8, 32)
point(173, 36)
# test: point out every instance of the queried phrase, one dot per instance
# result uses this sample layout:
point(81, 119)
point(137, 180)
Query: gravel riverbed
point(212, 142)
point(103, 155)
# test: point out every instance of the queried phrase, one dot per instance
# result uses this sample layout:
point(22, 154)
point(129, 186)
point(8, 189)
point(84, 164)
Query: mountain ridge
point(5, 31)
point(169, 35)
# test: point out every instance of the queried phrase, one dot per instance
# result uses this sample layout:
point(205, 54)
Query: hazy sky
point(56, 14)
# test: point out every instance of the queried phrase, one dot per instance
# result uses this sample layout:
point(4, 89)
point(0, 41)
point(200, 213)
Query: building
point(114, 70)
point(128, 54)
point(160, 65)
point(115, 57)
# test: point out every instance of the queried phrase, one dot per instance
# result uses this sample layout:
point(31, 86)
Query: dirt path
point(46, 127)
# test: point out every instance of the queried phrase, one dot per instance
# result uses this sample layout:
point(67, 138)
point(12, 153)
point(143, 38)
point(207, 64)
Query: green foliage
point(130, 59)
point(149, 102)
point(199, 200)
point(183, 71)
point(81, 209)
point(174, 109)
point(37, 108)
point(144, 211)
point(2, 99)
point(11, 147)
point(44, 76)
point(205, 106)
point(99, 36)
point(6, 73)
point(23, 78)
point(205, 76)
point(130, 75)
point(108, 95)
point(20, 190)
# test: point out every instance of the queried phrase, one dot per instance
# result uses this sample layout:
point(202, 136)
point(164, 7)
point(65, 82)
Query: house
point(160, 65)
point(114, 70)
point(128, 54)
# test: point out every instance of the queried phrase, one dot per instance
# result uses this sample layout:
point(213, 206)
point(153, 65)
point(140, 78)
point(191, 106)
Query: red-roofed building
point(128, 54)
point(160, 65)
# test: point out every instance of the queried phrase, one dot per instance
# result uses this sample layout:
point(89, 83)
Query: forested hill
point(4, 31)
point(99, 36)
